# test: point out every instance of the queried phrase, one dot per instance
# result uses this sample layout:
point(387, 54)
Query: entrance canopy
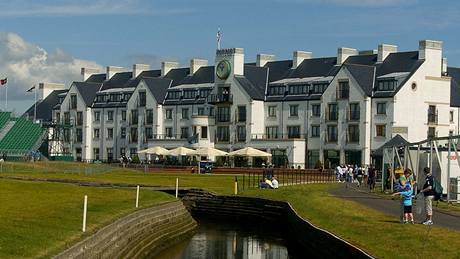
point(181, 151)
point(250, 152)
point(155, 150)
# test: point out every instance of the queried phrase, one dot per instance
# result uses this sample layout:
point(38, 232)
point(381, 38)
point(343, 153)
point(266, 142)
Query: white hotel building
point(332, 109)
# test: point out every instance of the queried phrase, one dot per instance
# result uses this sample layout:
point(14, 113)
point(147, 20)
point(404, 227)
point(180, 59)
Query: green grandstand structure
point(19, 136)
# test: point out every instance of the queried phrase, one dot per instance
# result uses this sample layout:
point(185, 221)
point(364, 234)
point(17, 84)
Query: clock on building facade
point(223, 69)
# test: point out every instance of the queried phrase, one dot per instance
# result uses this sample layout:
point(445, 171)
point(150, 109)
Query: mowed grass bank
point(101, 173)
point(379, 234)
point(39, 219)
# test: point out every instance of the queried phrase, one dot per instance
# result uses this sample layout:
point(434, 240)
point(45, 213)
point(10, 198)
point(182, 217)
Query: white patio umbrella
point(250, 152)
point(155, 150)
point(181, 151)
point(209, 151)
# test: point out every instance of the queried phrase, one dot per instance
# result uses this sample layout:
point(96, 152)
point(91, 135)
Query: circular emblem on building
point(223, 69)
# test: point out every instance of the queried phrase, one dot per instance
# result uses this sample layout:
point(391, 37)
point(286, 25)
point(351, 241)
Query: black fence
point(285, 177)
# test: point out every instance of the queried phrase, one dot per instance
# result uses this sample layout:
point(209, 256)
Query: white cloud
point(26, 64)
point(82, 8)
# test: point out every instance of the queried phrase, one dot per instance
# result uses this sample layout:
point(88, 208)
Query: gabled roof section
point(117, 81)
point(203, 75)
point(158, 87)
point(254, 81)
point(454, 73)
point(45, 107)
point(315, 67)
point(96, 78)
point(177, 75)
point(133, 82)
point(278, 69)
point(87, 91)
point(364, 75)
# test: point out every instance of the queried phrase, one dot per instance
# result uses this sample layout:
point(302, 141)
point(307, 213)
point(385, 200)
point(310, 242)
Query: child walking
point(406, 194)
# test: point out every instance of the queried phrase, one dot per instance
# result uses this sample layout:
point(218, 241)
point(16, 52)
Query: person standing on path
point(365, 175)
point(359, 176)
point(429, 196)
point(372, 176)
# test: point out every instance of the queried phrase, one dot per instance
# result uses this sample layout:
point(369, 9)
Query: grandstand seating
point(4, 118)
point(22, 137)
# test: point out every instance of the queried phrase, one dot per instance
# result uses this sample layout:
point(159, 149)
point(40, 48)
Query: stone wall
point(137, 235)
point(303, 234)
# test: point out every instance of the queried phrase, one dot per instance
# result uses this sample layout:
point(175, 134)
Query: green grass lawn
point(39, 219)
point(379, 234)
point(107, 174)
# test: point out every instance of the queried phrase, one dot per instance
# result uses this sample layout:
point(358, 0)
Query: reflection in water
point(222, 240)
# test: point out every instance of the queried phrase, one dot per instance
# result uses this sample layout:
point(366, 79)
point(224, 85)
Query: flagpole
point(6, 96)
point(35, 104)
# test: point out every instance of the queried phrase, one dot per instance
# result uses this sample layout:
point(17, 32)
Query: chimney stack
point(299, 56)
point(166, 66)
point(112, 70)
point(196, 63)
point(384, 50)
point(431, 52)
point(444, 66)
point(44, 89)
point(344, 53)
point(87, 72)
point(139, 68)
point(262, 59)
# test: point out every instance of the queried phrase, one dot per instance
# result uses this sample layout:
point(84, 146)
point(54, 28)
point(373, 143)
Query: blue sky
point(121, 32)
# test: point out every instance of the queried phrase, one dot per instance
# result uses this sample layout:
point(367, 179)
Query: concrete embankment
point(137, 235)
point(299, 232)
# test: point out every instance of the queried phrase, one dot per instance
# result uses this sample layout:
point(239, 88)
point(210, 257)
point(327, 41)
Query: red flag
point(3, 81)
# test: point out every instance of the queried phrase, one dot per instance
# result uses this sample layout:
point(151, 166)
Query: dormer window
point(189, 94)
point(277, 90)
point(319, 88)
point(174, 95)
point(297, 89)
point(386, 85)
point(100, 98)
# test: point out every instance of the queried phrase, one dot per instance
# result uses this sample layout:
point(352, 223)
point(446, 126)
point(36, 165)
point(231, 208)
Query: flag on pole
point(218, 37)
point(3, 81)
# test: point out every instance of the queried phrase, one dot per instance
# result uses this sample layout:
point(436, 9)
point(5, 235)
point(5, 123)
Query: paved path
point(391, 207)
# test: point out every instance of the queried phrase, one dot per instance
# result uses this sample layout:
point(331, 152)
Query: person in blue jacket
point(406, 194)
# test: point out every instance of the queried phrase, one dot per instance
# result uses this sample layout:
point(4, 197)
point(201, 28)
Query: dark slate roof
point(454, 72)
point(177, 75)
point(202, 76)
point(87, 91)
point(315, 67)
point(278, 69)
point(96, 78)
point(45, 107)
point(396, 141)
point(364, 75)
point(158, 87)
point(254, 81)
point(399, 62)
point(368, 60)
point(133, 82)
point(119, 80)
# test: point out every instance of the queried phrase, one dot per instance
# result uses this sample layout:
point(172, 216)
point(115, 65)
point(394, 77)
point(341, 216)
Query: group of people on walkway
point(362, 175)
point(405, 188)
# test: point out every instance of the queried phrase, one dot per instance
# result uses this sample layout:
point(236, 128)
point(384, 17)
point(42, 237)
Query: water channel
point(218, 239)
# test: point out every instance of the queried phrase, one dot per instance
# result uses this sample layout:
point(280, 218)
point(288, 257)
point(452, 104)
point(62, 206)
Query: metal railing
point(220, 98)
point(285, 177)
point(262, 136)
